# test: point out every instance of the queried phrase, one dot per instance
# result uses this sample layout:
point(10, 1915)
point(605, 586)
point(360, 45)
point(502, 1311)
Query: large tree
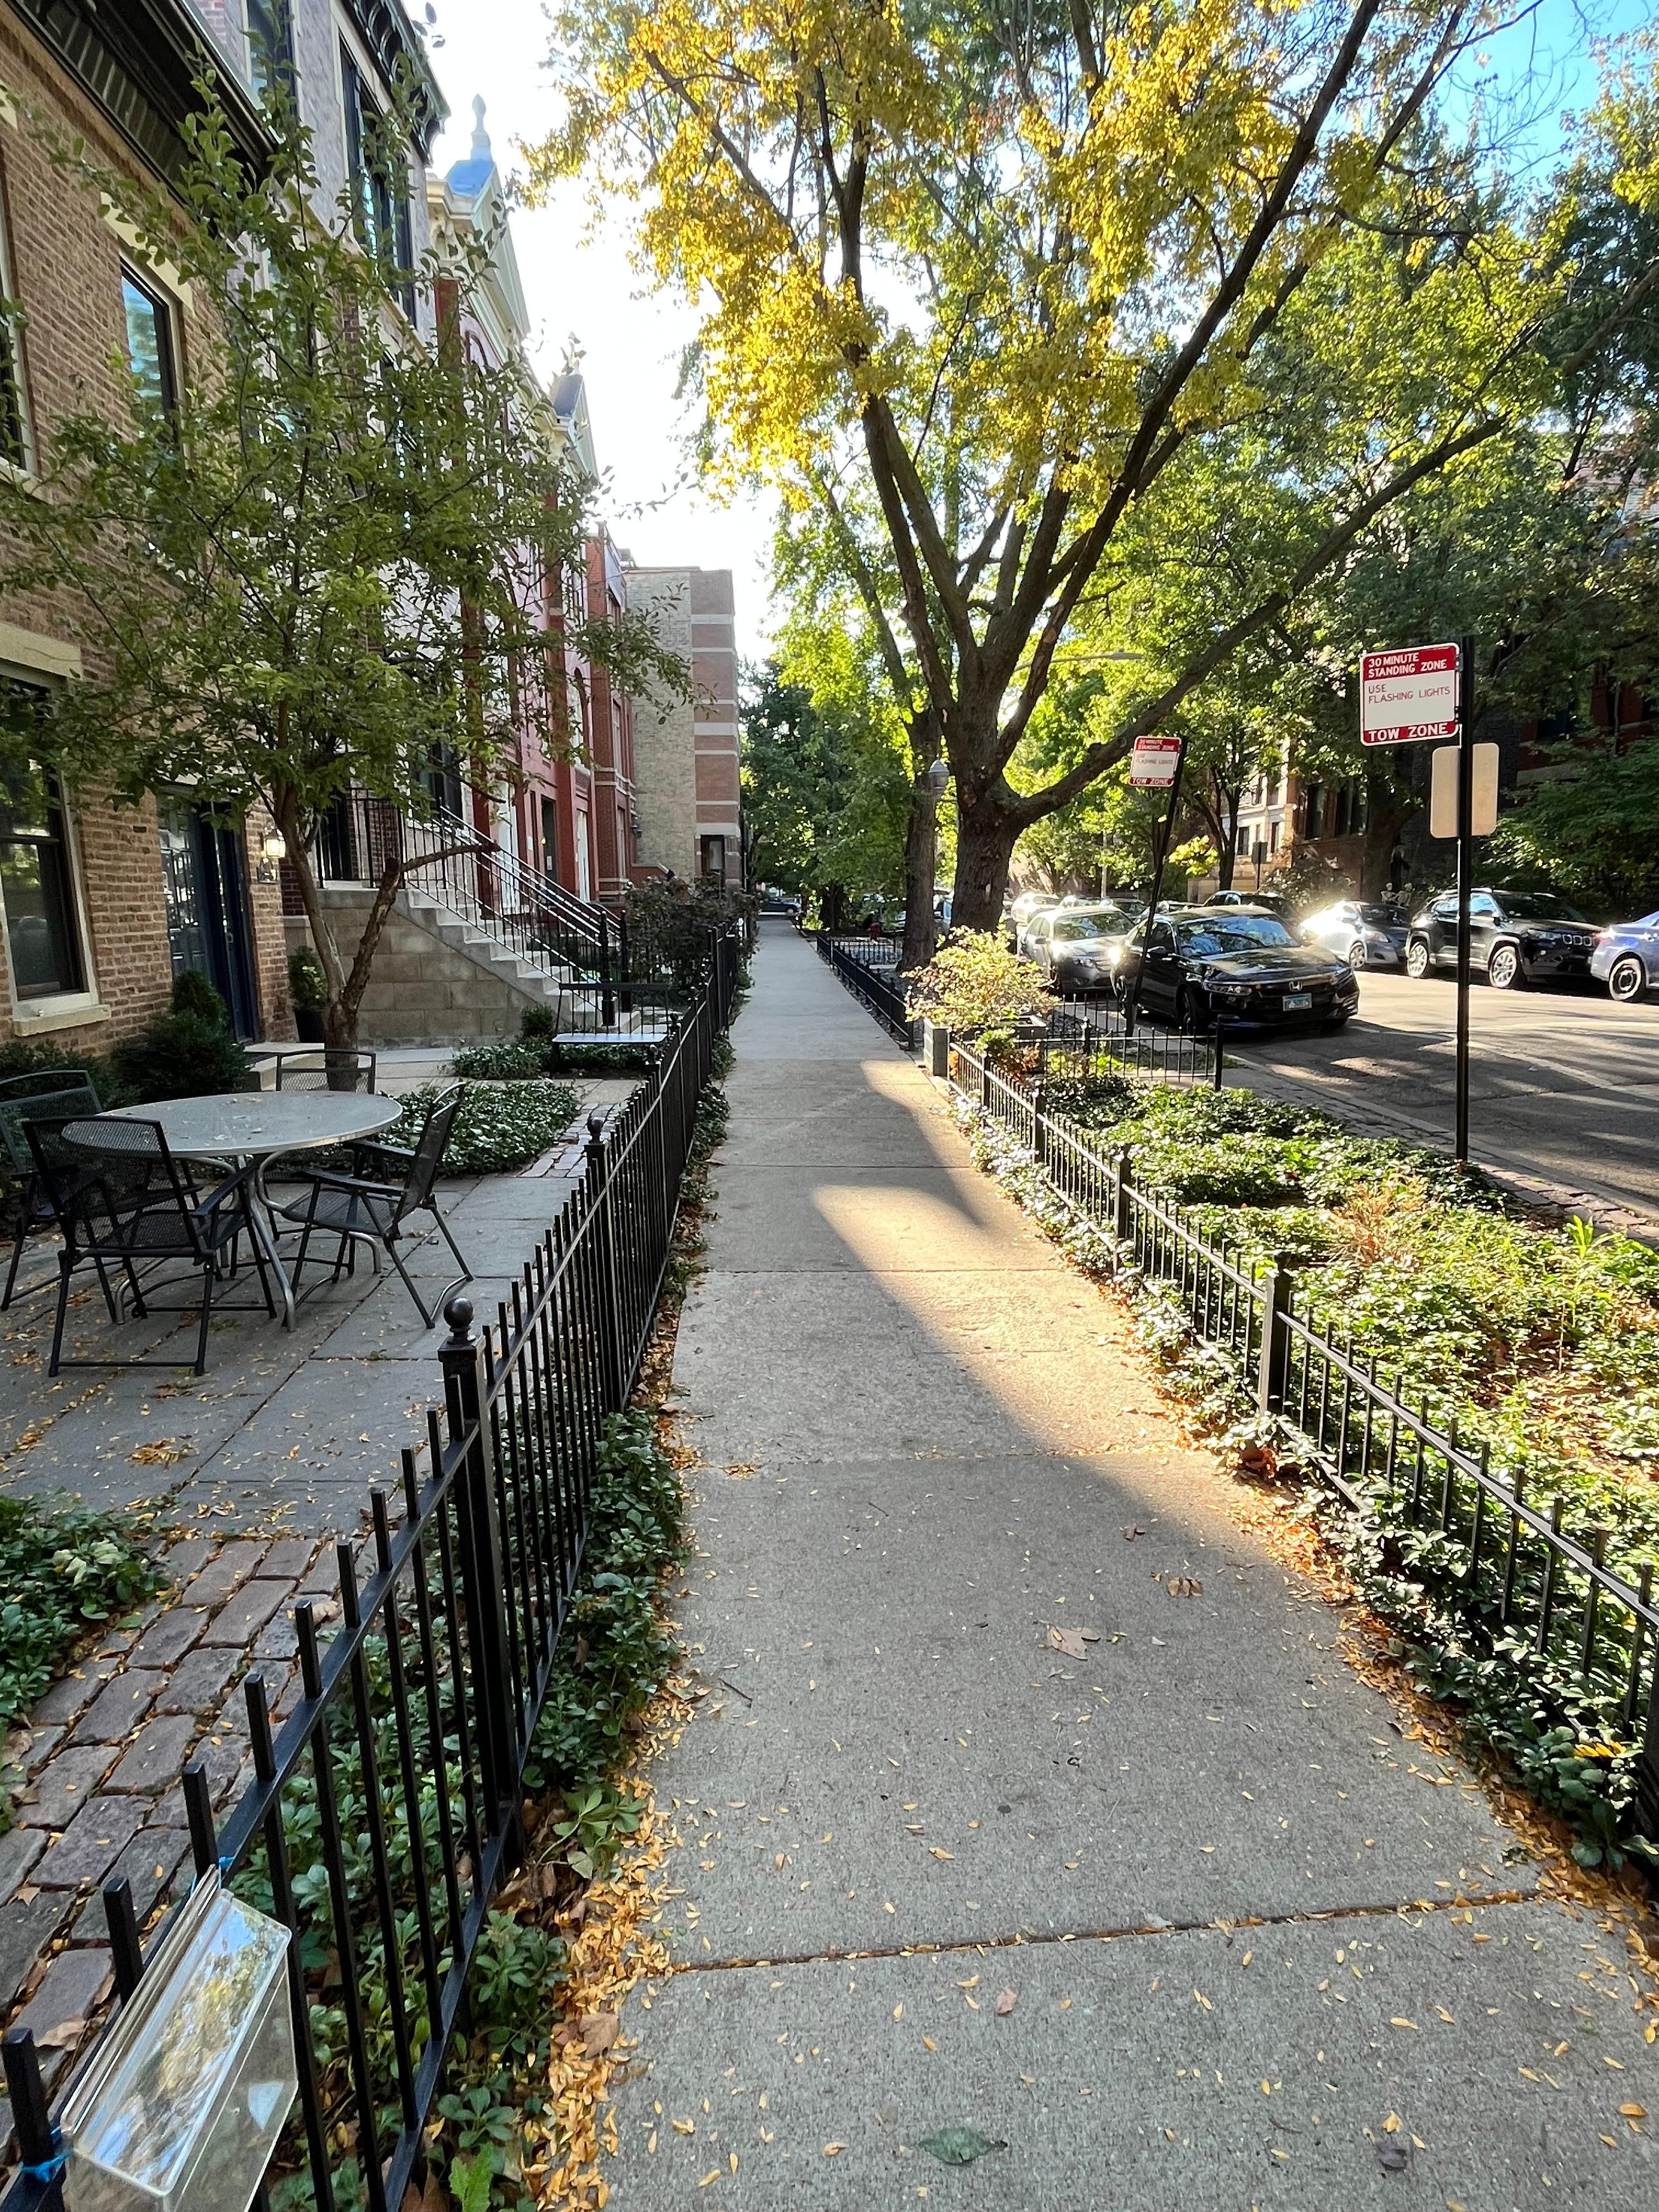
point(1015, 276)
point(324, 566)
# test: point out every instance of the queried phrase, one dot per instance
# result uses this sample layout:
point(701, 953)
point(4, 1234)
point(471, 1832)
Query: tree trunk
point(985, 834)
point(920, 838)
point(1232, 800)
point(1388, 811)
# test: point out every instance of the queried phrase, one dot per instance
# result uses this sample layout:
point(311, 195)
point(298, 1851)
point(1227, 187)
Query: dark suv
point(1515, 938)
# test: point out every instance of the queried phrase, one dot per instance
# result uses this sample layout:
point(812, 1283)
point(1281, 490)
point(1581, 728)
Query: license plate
point(1298, 1002)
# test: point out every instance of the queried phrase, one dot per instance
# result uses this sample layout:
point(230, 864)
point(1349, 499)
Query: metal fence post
point(1275, 1353)
point(1122, 1198)
point(1039, 1124)
point(41, 2145)
point(610, 1331)
point(607, 997)
point(1220, 1029)
point(1647, 1771)
point(622, 963)
point(462, 1360)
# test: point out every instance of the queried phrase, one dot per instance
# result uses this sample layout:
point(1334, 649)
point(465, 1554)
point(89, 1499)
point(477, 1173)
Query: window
point(16, 444)
point(150, 344)
point(271, 44)
point(36, 884)
point(379, 185)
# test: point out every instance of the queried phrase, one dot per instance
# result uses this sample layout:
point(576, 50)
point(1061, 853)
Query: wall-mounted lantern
point(273, 847)
point(185, 2099)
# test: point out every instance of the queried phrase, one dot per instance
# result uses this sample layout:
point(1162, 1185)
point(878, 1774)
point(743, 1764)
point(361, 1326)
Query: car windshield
point(1089, 925)
point(1214, 938)
point(1377, 917)
point(1537, 906)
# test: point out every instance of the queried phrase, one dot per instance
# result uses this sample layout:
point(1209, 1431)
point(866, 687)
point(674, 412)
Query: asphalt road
point(1564, 1085)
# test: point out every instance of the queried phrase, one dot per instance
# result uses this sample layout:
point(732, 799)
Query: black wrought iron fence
point(385, 1807)
point(1516, 1577)
point(879, 987)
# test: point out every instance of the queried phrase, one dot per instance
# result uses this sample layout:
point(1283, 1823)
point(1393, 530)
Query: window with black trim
point(271, 44)
point(16, 446)
point(379, 185)
point(152, 352)
point(37, 883)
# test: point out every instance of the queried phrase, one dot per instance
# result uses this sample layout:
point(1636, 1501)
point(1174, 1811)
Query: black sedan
point(1515, 938)
point(1231, 964)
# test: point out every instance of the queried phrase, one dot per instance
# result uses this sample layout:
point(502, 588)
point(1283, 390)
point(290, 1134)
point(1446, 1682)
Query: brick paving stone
point(27, 1926)
point(278, 1639)
point(198, 1683)
point(68, 1782)
point(288, 1559)
point(69, 1697)
point(166, 1641)
point(99, 1833)
point(149, 1864)
point(227, 1573)
point(19, 1849)
point(42, 1744)
point(186, 1558)
point(240, 1621)
point(73, 1984)
point(157, 1756)
point(118, 1707)
point(222, 1754)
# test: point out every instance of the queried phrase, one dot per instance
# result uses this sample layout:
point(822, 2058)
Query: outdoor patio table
point(257, 1126)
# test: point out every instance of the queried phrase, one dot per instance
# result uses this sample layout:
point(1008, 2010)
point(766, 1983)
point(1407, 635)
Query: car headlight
point(1344, 973)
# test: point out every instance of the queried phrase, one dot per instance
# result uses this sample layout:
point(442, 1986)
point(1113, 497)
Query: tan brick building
point(685, 755)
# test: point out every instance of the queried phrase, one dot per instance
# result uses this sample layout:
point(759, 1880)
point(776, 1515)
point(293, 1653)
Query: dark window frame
point(60, 895)
point(17, 418)
point(166, 319)
point(380, 201)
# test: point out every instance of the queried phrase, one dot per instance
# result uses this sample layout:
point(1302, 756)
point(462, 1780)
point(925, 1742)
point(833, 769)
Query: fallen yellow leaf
point(834, 2150)
point(928, 2044)
point(685, 2127)
point(1391, 2126)
point(1397, 2022)
point(1632, 2111)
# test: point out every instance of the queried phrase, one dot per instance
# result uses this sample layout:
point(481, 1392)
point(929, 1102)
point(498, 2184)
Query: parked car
point(1072, 945)
point(1239, 965)
point(1022, 910)
point(1268, 901)
point(1366, 936)
point(1627, 958)
point(1515, 938)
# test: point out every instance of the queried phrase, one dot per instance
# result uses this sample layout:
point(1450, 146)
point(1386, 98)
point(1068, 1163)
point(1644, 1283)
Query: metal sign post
point(1155, 762)
point(1465, 885)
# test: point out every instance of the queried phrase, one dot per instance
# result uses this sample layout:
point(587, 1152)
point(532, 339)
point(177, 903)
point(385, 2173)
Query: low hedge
point(500, 1126)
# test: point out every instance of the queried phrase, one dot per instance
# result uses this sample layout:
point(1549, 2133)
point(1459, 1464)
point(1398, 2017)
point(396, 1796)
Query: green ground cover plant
point(500, 1126)
point(1540, 1340)
point(61, 1575)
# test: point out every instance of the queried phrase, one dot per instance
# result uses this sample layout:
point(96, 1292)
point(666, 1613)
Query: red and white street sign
point(1408, 695)
point(1153, 763)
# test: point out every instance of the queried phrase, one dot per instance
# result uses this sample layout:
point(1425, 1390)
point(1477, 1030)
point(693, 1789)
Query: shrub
point(974, 985)
point(36, 1059)
point(194, 995)
point(503, 1060)
point(62, 1574)
point(537, 1024)
point(179, 1055)
point(307, 986)
point(500, 1126)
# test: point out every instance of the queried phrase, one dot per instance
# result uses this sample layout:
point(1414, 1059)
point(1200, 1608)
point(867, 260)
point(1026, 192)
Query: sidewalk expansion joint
point(1408, 1909)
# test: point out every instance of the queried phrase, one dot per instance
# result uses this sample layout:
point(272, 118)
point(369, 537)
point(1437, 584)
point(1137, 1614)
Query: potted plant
point(308, 988)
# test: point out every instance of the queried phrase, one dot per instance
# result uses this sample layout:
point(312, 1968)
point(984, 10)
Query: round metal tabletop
point(255, 1124)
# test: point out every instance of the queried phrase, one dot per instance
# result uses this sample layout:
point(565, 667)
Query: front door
point(207, 926)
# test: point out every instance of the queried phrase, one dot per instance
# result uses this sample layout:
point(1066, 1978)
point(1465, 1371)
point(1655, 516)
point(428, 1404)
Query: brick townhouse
point(103, 906)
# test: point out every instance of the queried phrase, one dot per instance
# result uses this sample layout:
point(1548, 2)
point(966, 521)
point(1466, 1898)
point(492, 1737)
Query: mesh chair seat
point(120, 1197)
point(363, 1209)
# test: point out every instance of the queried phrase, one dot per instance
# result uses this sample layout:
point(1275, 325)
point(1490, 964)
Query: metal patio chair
point(323, 1067)
point(388, 1183)
point(122, 1200)
point(52, 1094)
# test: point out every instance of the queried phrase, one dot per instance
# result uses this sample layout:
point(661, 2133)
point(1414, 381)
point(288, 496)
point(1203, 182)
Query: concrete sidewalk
point(927, 1445)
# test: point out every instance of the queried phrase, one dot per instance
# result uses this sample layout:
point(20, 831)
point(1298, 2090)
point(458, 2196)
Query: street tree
point(1018, 278)
point(324, 565)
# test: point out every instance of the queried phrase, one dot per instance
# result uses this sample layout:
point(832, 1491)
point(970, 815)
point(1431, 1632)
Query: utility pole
point(1465, 885)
